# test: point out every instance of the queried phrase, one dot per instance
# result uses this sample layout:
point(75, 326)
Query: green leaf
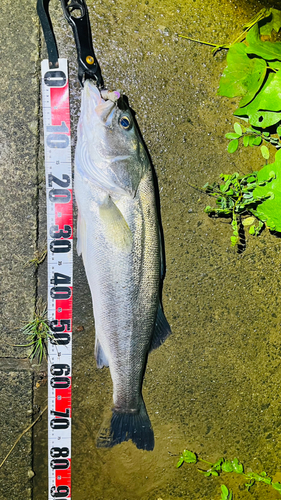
point(270, 51)
point(267, 480)
point(242, 76)
point(225, 492)
point(251, 178)
point(248, 198)
point(217, 464)
point(227, 466)
point(255, 80)
point(237, 466)
point(189, 457)
point(248, 221)
point(269, 210)
point(259, 477)
point(180, 462)
point(259, 228)
point(252, 140)
point(246, 140)
point(238, 128)
point(208, 209)
point(257, 141)
point(270, 94)
point(274, 65)
point(279, 131)
point(274, 23)
point(214, 473)
point(232, 146)
point(264, 110)
point(276, 486)
point(267, 50)
point(222, 188)
point(265, 152)
point(232, 135)
point(224, 489)
point(252, 230)
point(234, 240)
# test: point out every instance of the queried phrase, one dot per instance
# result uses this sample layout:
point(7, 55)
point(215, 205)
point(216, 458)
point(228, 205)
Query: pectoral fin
point(116, 228)
point(162, 330)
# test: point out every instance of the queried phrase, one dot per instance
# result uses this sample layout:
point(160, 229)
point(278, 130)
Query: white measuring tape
point(56, 119)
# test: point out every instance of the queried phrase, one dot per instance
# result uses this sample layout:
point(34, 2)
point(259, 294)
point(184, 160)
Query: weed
point(222, 465)
point(39, 257)
point(38, 332)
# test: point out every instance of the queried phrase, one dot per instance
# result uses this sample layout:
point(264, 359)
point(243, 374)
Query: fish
point(119, 238)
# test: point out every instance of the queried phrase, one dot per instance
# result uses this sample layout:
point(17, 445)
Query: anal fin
point(100, 356)
point(162, 329)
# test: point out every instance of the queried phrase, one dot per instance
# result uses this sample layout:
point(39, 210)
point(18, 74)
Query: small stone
point(30, 474)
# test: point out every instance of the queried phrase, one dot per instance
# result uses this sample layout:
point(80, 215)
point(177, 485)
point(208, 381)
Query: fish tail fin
point(124, 426)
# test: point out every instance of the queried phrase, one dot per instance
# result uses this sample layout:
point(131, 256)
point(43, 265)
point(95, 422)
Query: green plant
point(237, 198)
point(253, 200)
point(252, 137)
point(229, 466)
point(38, 332)
point(253, 73)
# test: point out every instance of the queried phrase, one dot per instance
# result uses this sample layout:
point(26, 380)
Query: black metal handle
point(76, 13)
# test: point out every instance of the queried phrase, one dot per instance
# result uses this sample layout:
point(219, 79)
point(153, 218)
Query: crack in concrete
point(37, 155)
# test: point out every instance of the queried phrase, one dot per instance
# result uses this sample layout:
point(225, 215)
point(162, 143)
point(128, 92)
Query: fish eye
point(125, 122)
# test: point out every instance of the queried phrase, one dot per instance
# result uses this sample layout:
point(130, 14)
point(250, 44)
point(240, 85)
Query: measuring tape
point(57, 141)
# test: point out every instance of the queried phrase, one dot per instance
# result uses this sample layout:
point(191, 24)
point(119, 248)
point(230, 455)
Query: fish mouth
point(110, 102)
point(105, 112)
point(107, 95)
point(105, 102)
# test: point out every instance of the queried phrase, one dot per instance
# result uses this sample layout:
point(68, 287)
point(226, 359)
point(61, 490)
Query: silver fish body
point(119, 238)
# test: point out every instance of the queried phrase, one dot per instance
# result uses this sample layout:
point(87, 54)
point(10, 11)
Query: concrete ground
point(19, 95)
point(214, 386)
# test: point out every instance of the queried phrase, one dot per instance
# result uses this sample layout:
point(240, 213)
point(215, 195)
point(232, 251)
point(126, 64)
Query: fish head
point(111, 139)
